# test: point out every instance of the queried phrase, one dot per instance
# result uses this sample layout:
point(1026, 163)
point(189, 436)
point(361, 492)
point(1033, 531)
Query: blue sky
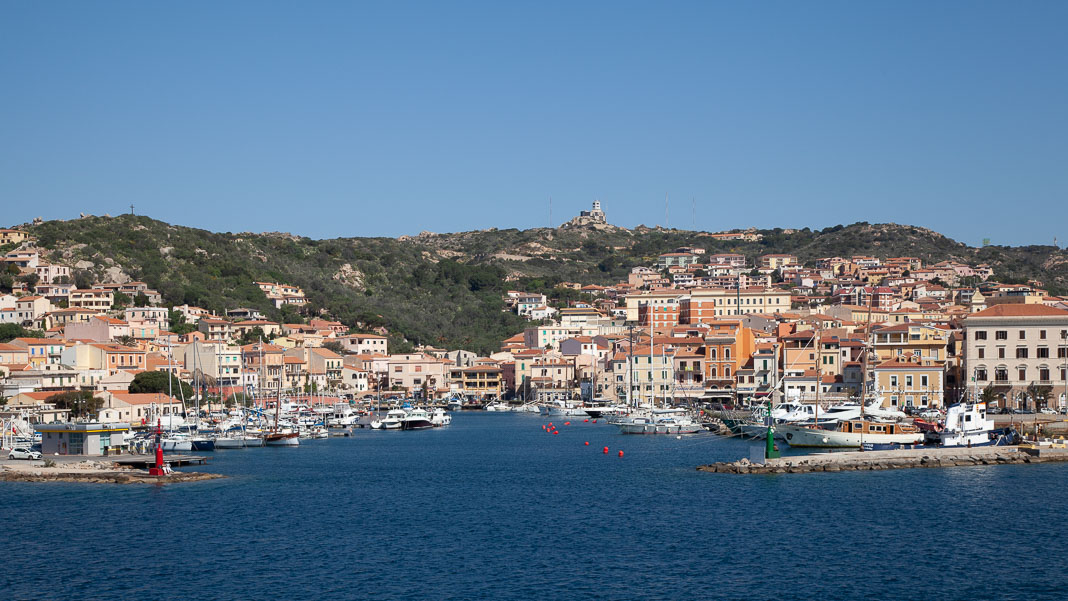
point(359, 119)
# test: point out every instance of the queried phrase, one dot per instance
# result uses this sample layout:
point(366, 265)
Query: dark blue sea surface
point(492, 507)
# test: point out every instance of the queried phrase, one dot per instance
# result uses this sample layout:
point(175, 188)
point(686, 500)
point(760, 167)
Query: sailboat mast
point(819, 366)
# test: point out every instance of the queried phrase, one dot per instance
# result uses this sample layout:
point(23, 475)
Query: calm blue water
point(492, 507)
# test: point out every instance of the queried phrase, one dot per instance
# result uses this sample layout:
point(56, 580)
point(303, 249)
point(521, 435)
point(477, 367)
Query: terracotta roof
point(1020, 310)
point(143, 398)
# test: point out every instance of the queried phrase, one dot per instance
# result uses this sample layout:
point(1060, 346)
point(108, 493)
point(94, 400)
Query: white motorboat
point(660, 421)
point(852, 434)
point(439, 417)
point(416, 419)
point(176, 442)
point(498, 406)
point(601, 411)
point(392, 421)
point(564, 409)
point(967, 426)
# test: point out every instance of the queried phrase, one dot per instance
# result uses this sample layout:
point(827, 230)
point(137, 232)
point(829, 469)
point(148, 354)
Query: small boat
point(967, 425)
point(440, 418)
point(177, 442)
point(281, 438)
point(416, 419)
point(660, 421)
point(392, 420)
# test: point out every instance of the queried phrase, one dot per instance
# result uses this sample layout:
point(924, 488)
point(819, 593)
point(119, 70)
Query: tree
point(334, 346)
point(1039, 394)
point(141, 300)
point(30, 279)
point(160, 382)
point(178, 324)
point(80, 403)
point(126, 340)
point(252, 336)
point(11, 331)
point(989, 395)
point(83, 279)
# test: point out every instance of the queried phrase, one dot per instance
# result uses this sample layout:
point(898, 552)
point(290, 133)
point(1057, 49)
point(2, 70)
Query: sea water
point(494, 507)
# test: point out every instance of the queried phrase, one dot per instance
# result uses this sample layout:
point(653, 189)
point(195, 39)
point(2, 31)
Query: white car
point(1047, 411)
point(23, 453)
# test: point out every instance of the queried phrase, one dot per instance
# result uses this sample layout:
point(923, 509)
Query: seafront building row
point(690, 328)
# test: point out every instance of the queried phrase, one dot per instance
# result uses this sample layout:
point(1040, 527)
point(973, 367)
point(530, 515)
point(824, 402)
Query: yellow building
point(908, 381)
point(918, 340)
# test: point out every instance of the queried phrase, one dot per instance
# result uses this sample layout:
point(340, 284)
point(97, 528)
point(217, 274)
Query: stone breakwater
point(889, 460)
point(96, 473)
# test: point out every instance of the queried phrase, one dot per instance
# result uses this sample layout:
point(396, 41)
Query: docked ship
point(851, 434)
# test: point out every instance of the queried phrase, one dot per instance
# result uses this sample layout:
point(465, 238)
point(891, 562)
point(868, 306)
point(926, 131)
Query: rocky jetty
point(889, 460)
point(96, 472)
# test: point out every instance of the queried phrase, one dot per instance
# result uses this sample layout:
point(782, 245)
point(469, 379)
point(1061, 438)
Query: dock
point(888, 460)
point(147, 461)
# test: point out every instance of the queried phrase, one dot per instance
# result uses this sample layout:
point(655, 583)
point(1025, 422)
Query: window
point(893, 381)
point(1023, 373)
point(1023, 334)
point(893, 400)
point(923, 382)
point(1042, 334)
point(1062, 352)
point(1001, 375)
point(1021, 352)
point(1001, 352)
point(908, 381)
point(1043, 374)
point(982, 353)
point(1001, 335)
point(980, 374)
point(1042, 352)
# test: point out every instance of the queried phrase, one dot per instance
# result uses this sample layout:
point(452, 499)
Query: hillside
point(444, 289)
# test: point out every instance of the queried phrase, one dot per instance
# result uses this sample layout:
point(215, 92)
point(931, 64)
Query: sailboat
point(278, 437)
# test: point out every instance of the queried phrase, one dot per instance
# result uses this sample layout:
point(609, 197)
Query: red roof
point(1020, 310)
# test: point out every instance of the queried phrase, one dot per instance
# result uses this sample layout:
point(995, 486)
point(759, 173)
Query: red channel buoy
point(587, 443)
point(621, 453)
point(555, 432)
point(606, 450)
point(586, 420)
point(595, 421)
point(567, 423)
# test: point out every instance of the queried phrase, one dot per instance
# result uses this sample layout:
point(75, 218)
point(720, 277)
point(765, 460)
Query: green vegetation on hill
point(445, 289)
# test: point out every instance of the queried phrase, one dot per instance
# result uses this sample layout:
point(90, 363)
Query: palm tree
point(988, 395)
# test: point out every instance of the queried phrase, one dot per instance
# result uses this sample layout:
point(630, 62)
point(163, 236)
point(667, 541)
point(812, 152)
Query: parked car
point(23, 453)
point(1047, 411)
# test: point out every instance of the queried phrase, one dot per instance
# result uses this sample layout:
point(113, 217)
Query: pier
point(146, 461)
point(888, 460)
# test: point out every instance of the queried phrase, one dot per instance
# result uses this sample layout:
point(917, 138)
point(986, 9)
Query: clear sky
point(357, 119)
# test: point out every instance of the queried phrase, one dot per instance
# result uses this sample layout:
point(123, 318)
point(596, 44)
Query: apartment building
point(1010, 346)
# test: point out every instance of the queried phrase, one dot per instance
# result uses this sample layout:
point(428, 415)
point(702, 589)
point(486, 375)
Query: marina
point(498, 492)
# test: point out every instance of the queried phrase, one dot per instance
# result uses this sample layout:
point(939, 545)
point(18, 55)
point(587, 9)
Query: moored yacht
point(851, 434)
point(660, 421)
point(416, 419)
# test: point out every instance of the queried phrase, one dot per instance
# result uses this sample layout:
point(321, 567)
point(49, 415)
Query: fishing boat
point(852, 434)
point(967, 425)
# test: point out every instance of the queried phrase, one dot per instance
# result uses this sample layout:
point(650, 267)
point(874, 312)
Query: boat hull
point(416, 424)
point(290, 439)
point(816, 438)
